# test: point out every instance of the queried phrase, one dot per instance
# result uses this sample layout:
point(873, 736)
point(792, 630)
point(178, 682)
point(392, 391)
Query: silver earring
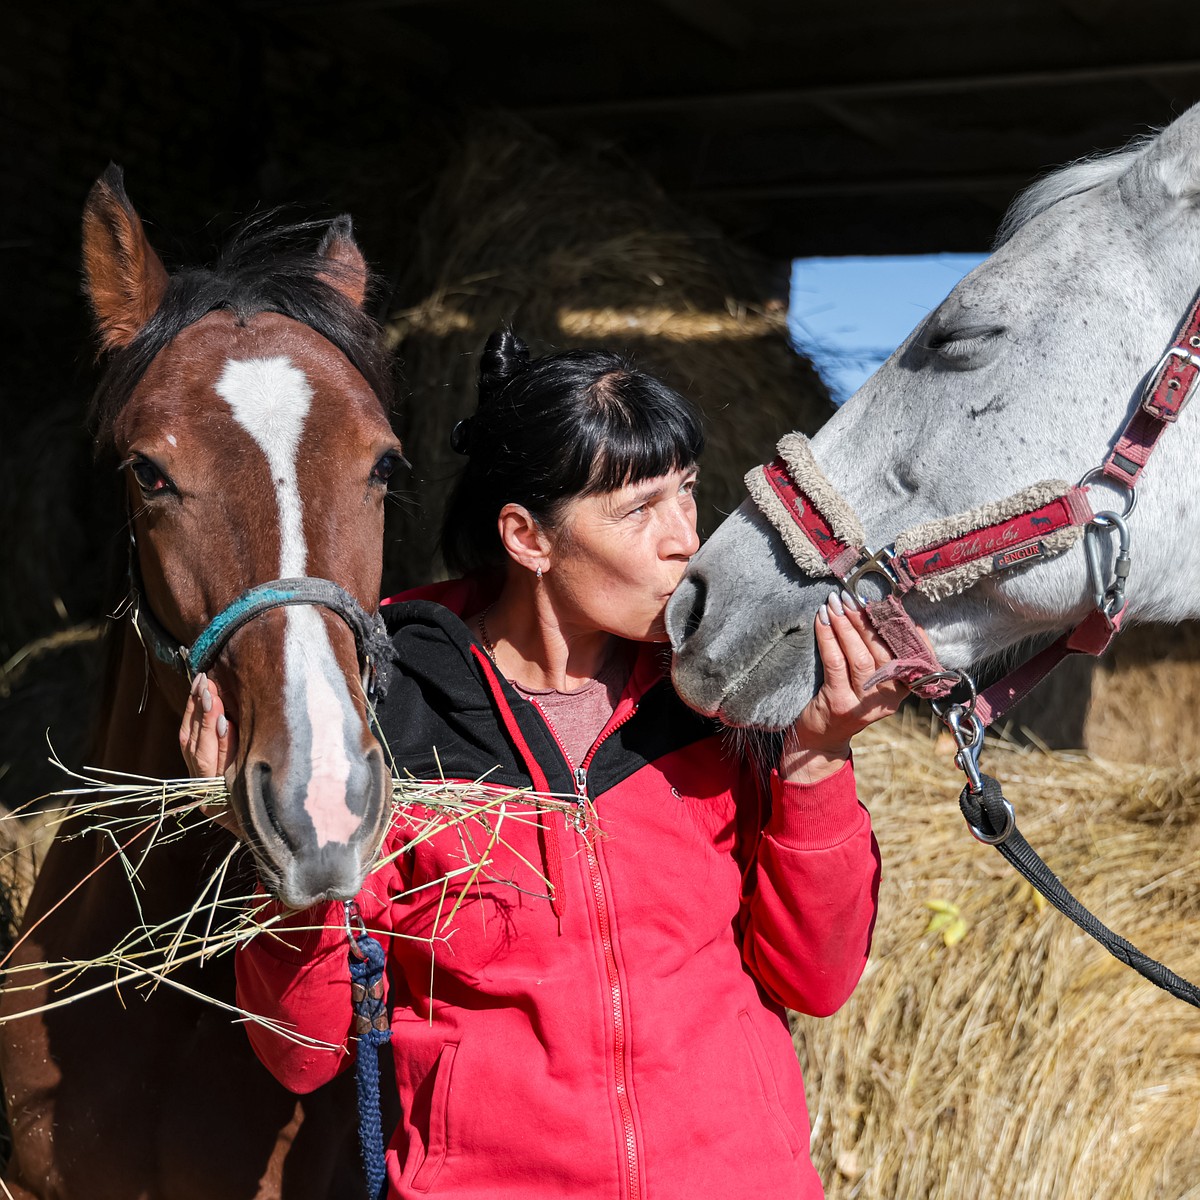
point(539, 572)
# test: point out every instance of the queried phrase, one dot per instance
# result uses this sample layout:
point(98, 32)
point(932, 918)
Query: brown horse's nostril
point(260, 790)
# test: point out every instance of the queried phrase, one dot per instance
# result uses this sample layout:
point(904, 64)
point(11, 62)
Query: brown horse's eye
point(149, 478)
point(385, 468)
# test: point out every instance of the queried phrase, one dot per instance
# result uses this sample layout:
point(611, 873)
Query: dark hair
point(577, 423)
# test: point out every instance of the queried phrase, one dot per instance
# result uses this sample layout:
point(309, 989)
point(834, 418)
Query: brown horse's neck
point(138, 730)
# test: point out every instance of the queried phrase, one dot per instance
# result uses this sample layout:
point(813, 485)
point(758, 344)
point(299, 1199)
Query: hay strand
point(135, 814)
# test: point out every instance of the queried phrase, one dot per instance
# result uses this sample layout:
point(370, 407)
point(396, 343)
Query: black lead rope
point(990, 817)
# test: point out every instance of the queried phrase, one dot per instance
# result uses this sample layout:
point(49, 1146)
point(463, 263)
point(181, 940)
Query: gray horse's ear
point(345, 269)
point(123, 277)
point(1174, 156)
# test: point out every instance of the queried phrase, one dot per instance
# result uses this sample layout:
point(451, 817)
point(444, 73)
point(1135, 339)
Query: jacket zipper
point(616, 997)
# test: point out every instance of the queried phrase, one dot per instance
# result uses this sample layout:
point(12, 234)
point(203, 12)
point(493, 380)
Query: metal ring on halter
point(994, 839)
point(1098, 472)
point(939, 706)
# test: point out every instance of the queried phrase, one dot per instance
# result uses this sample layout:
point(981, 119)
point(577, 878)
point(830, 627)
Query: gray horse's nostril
point(686, 609)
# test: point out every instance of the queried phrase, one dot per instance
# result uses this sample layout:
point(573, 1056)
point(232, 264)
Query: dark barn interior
point(793, 129)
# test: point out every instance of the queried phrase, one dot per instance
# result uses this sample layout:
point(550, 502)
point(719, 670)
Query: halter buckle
point(1154, 382)
point(878, 562)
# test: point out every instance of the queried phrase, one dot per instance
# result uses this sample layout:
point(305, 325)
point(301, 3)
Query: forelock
point(1072, 180)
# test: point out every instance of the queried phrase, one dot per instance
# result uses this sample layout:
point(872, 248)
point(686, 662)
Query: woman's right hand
point(208, 740)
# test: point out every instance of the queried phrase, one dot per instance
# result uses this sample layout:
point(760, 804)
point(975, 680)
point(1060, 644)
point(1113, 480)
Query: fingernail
point(848, 601)
point(823, 613)
point(836, 605)
point(206, 700)
point(222, 725)
point(197, 684)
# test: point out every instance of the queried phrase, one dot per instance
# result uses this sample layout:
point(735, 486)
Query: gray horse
point(1026, 372)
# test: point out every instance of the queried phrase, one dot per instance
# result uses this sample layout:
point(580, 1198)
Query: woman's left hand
point(851, 652)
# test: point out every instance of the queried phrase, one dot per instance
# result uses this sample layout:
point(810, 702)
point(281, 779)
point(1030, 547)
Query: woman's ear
point(523, 539)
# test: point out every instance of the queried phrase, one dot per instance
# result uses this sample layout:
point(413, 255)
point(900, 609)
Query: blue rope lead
point(372, 1030)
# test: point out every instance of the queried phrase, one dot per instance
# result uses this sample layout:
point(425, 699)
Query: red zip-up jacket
point(625, 1035)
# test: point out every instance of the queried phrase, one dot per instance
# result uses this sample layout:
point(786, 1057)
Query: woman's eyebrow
point(642, 497)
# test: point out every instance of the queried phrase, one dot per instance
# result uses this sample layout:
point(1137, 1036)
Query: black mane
point(266, 267)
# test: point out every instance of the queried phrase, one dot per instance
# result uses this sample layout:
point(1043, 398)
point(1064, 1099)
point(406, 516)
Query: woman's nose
point(683, 540)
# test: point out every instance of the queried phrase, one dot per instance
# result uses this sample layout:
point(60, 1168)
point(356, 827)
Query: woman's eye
point(385, 468)
point(149, 478)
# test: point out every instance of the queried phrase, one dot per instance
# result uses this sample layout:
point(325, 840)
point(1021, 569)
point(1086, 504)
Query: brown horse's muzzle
point(314, 833)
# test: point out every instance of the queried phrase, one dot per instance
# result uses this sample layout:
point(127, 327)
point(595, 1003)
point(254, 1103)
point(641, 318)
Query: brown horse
point(247, 406)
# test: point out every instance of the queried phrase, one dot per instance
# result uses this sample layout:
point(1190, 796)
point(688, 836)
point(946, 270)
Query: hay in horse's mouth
point(135, 813)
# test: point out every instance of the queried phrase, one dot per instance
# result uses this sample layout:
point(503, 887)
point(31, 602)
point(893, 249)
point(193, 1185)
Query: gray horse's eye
point(966, 346)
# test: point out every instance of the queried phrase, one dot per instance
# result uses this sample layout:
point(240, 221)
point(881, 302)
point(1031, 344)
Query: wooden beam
point(715, 18)
point(340, 6)
point(802, 189)
point(883, 90)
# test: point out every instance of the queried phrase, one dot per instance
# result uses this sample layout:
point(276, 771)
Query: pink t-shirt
point(577, 717)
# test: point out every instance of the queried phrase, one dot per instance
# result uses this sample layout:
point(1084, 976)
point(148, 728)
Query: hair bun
point(504, 356)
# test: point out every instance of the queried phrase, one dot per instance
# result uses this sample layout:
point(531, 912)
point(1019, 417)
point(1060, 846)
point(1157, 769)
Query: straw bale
point(49, 689)
point(579, 250)
point(1022, 1061)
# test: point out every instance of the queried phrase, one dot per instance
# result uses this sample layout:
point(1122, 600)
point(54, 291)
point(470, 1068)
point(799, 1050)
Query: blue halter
point(371, 638)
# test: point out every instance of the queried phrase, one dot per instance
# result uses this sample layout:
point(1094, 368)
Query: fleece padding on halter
point(819, 528)
point(946, 556)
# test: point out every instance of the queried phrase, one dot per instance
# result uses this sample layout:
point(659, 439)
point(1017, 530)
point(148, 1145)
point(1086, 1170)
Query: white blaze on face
point(270, 399)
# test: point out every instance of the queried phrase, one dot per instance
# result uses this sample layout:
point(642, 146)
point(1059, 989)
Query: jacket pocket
point(766, 1082)
point(439, 1110)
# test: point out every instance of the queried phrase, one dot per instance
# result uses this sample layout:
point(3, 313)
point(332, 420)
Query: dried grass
point(581, 250)
point(1022, 1061)
point(1019, 1061)
point(134, 815)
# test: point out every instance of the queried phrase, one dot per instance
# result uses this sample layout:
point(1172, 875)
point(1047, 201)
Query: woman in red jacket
point(600, 1012)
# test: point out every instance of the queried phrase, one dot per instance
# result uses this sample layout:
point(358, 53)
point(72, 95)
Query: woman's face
point(619, 555)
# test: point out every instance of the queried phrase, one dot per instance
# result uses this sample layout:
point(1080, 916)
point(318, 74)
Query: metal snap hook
point(968, 734)
point(943, 706)
point(1109, 595)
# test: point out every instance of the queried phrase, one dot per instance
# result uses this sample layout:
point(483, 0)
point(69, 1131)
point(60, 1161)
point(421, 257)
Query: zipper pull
point(579, 819)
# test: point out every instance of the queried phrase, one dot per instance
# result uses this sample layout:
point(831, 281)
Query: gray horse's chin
point(770, 695)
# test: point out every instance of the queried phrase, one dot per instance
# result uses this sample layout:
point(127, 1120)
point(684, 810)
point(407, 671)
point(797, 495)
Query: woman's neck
point(536, 644)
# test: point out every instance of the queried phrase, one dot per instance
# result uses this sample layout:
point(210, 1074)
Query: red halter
point(1034, 524)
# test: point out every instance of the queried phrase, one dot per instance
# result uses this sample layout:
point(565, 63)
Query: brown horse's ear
point(123, 278)
point(345, 268)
